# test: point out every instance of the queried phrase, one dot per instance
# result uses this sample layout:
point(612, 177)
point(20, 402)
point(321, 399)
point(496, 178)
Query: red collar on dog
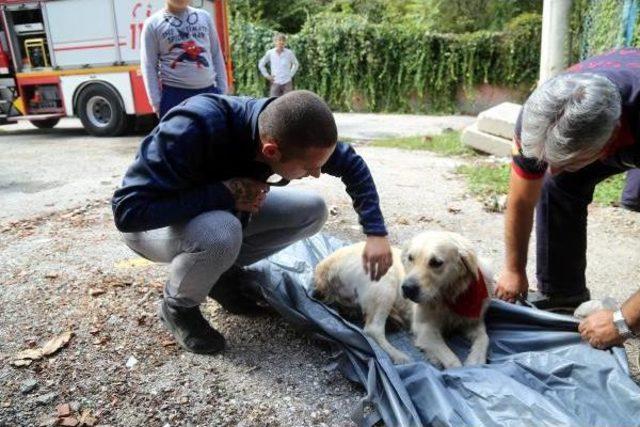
point(469, 303)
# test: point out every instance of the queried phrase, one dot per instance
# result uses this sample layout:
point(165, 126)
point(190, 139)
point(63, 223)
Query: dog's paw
point(400, 358)
point(475, 359)
point(451, 363)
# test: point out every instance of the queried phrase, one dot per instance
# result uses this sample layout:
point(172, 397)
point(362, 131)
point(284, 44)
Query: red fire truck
point(63, 58)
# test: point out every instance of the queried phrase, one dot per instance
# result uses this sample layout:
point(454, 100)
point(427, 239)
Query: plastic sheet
point(539, 372)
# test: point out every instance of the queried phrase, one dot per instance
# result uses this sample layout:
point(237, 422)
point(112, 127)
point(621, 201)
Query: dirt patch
point(69, 271)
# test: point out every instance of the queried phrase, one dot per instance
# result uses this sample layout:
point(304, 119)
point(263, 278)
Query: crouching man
point(197, 197)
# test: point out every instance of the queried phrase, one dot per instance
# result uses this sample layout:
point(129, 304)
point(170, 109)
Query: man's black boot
point(190, 329)
point(558, 303)
point(231, 292)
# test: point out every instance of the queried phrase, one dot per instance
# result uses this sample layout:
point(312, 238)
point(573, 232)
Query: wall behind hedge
point(357, 65)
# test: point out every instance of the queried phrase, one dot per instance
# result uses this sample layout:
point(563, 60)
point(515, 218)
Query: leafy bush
point(358, 65)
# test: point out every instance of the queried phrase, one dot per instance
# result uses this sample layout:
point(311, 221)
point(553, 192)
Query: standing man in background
point(180, 56)
point(283, 64)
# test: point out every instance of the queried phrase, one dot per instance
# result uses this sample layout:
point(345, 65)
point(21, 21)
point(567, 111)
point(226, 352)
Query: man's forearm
point(518, 225)
point(631, 312)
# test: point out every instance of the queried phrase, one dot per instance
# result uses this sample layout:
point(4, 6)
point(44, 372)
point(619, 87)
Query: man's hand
point(599, 330)
point(511, 286)
point(248, 193)
point(377, 258)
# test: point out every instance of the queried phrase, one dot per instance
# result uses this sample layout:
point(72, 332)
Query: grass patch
point(608, 191)
point(486, 179)
point(447, 143)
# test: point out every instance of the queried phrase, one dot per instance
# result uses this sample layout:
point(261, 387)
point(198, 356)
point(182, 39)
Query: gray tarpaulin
point(539, 371)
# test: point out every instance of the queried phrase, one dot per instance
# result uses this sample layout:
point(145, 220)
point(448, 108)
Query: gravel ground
point(68, 271)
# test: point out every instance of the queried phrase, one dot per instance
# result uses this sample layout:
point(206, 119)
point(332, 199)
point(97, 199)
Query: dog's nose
point(410, 289)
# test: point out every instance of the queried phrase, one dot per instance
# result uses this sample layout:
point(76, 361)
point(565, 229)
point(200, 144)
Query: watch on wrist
point(621, 325)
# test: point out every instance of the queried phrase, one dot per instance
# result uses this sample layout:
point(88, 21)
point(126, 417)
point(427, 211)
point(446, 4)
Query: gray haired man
point(584, 125)
point(283, 64)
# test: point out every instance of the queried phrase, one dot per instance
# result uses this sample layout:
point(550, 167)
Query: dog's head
point(439, 265)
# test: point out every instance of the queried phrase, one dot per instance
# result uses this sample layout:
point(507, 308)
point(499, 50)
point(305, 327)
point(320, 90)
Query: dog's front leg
point(375, 328)
point(430, 340)
point(479, 345)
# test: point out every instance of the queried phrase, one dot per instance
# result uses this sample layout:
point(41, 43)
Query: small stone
point(28, 386)
point(333, 210)
point(75, 405)
point(45, 399)
point(51, 275)
point(64, 410)
point(131, 362)
point(184, 400)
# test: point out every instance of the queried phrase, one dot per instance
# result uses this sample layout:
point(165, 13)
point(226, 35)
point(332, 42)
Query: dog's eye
point(410, 258)
point(435, 262)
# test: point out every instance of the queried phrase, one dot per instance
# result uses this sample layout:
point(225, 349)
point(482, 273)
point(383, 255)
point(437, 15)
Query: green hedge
point(357, 65)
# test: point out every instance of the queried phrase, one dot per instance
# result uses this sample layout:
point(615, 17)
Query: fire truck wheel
point(101, 111)
point(45, 124)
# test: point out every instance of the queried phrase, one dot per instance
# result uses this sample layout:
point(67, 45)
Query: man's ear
point(270, 149)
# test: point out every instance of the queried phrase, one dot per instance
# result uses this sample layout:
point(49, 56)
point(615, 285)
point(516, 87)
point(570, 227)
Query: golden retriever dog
point(451, 289)
point(340, 279)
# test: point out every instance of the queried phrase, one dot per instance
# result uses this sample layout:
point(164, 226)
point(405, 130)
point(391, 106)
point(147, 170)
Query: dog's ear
point(469, 259)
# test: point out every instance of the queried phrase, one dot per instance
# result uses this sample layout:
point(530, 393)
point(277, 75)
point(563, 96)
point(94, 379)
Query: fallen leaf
point(168, 343)
point(51, 275)
point(133, 263)
point(68, 422)
point(121, 284)
point(64, 410)
point(32, 353)
point(56, 343)
point(94, 292)
point(86, 419)
point(101, 340)
point(25, 357)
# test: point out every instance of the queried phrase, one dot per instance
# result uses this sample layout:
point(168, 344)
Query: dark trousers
point(561, 228)
point(279, 90)
point(631, 194)
point(172, 96)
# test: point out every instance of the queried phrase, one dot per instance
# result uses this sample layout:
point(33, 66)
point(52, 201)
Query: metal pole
point(555, 30)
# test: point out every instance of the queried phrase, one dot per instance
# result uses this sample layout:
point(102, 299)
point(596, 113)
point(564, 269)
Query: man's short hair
point(298, 120)
point(279, 36)
point(570, 116)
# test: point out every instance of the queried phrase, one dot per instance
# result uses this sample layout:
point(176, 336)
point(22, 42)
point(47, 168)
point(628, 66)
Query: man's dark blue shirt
point(178, 172)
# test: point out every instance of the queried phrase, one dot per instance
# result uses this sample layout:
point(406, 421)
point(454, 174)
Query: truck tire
point(45, 124)
point(101, 111)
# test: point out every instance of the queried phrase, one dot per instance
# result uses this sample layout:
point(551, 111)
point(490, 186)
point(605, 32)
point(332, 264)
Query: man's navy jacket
point(178, 171)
